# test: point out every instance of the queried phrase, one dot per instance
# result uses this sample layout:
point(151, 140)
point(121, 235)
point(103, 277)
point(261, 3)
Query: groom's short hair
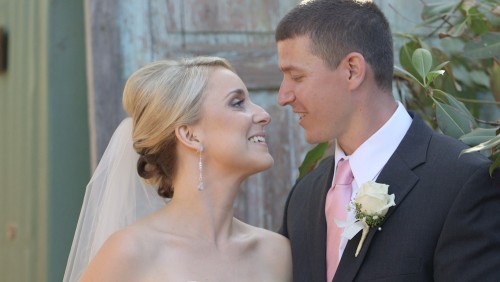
point(338, 27)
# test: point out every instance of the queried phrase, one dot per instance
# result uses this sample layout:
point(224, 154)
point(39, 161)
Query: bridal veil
point(115, 197)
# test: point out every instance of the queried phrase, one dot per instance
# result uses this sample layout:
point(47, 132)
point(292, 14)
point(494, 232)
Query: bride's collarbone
point(193, 248)
point(220, 270)
point(198, 260)
point(177, 255)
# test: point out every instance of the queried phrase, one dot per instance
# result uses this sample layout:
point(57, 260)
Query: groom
point(337, 62)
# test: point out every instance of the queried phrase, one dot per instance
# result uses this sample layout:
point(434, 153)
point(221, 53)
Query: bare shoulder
point(271, 240)
point(273, 250)
point(121, 258)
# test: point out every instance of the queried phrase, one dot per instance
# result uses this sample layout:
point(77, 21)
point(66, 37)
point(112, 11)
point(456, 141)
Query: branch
point(492, 123)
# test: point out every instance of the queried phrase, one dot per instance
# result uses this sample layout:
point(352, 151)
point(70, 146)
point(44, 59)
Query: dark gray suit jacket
point(445, 225)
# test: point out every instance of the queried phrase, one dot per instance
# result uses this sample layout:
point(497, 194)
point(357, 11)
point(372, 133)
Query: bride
point(195, 135)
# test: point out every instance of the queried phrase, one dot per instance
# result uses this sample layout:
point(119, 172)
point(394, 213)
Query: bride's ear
point(186, 136)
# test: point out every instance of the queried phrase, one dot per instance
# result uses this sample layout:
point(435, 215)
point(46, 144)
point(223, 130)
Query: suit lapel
point(316, 229)
point(398, 174)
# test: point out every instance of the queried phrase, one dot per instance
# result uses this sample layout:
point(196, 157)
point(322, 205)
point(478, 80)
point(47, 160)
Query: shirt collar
point(370, 158)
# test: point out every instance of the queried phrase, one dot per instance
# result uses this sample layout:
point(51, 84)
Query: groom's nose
point(285, 94)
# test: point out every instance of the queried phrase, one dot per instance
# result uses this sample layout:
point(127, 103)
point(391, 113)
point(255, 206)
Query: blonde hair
point(160, 97)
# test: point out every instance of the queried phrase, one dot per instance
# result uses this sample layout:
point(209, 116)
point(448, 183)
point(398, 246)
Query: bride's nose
point(261, 116)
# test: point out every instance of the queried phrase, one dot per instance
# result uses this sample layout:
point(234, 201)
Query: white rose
point(374, 198)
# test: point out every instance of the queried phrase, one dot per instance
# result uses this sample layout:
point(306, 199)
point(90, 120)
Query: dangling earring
point(200, 167)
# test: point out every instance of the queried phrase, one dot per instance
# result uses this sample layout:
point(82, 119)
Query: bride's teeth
point(258, 139)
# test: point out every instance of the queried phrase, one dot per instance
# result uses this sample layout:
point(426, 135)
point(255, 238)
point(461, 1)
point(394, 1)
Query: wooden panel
point(105, 64)
point(69, 160)
point(22, 141)
point(236, 16)
point(257, 67)
point(43, 137)
point(230, 16)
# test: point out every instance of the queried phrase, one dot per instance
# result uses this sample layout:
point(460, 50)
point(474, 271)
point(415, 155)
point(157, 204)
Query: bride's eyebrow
point(236, 92)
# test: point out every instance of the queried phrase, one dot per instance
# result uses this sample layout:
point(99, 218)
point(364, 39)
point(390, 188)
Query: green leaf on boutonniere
point(371, 220)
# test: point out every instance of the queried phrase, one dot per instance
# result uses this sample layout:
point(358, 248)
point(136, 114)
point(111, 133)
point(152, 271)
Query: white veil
point(115, 197)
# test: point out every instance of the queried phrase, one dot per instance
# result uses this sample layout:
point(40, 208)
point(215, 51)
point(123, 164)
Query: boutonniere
point(370, 205)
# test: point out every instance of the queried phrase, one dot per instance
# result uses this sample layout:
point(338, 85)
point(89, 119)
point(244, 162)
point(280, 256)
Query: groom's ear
point(355, 64)
point(186, 136)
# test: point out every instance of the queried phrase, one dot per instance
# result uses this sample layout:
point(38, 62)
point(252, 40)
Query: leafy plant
point(466, 51)
point(452, 117)
point(312, 158)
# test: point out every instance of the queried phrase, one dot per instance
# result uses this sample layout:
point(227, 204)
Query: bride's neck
point(205, 214)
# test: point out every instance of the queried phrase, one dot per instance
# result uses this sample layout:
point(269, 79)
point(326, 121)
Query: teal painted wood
point(68, 140)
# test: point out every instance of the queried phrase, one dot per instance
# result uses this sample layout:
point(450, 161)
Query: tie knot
point(343, 175)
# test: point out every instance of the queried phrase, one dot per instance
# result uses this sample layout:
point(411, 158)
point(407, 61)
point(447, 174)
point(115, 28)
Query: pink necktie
point(337, 199)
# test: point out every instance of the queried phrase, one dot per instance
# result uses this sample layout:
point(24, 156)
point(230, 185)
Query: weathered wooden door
point(124, 35)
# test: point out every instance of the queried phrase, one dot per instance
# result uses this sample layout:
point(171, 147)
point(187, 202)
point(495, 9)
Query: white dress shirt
point(369, 159)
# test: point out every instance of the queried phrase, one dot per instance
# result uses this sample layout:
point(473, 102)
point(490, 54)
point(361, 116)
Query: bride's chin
point(256, 165)
point(265, 163)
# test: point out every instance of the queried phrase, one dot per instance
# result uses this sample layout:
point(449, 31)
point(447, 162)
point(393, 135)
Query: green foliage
point(462, 73)
point(452, 116)
point(487, 46)
point(478, 136)
point(312, 158)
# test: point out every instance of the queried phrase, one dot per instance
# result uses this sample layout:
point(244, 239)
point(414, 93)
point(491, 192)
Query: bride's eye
point(237, 103)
